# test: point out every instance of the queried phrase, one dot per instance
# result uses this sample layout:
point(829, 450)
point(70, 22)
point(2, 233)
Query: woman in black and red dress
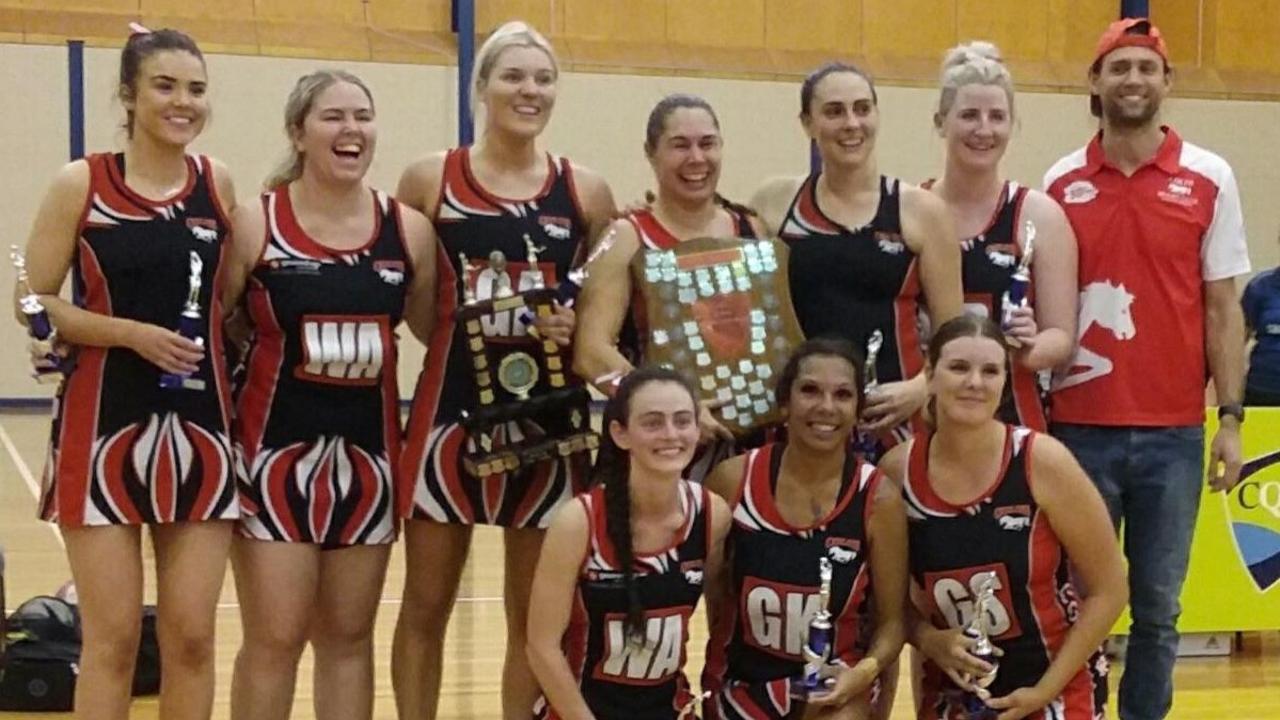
point(502, 194)
point(333, 266)
point(139, 230)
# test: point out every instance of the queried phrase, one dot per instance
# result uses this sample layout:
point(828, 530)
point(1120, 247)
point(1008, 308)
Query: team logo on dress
point(203, 229)
point(391, 271)
point(1003, 255)
point(843, 550)
point(1013, 517)
point(890, 243)
point(343, 350)
point(1178, 192)
point(1108, 306)
point(556, 227)
point(692, 571)
point(1079, 192)
point(1254, 509)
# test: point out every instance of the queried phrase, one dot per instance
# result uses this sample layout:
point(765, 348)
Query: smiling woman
point(339, 268)
point(868, 252)
point(143, 233)
point(511, 217)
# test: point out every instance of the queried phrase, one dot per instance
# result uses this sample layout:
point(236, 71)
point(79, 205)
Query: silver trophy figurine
point(979, 628)
point(567, 290)
point(819, 673)
point(465, 270)
point(501, 287)
point(531, 257)
point(50, 367)
point(1016, 296)
point(189, 326)
point(864, 442)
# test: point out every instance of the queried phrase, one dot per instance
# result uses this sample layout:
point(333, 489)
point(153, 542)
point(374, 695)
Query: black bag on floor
point(41, 660)
point(41, 656)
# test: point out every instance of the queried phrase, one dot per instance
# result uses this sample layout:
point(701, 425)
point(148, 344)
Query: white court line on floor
point(30, 479)
point(25, 471)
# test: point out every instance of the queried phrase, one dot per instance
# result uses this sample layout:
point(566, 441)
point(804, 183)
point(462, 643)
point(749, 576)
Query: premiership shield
point(719, 310)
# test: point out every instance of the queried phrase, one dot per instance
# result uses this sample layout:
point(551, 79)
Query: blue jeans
point(1150, 479)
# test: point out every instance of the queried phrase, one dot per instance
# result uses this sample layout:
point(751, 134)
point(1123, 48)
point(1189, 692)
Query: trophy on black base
point(865, 442)
point(189, 327)
point(979, 628)
point(1016, 296)
point(50, 367)
point(819, 672)
point(522, 385)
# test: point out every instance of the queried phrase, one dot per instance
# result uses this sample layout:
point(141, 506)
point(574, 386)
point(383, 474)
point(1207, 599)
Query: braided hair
point(613, 469)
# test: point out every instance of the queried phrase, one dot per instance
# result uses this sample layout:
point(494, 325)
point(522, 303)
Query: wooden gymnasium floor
point(1247, 685)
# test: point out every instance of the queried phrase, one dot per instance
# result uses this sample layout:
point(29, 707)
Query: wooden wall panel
point(833, 26)
point(223, 9)
point(625, 21)
point(538, 13)
point(615, 33)
point(1180, 24)
point(1248, 35)
point(100, 6)
point(1219, 47)
point(1074, 27)
point(916, 29)
point(1018, 27)
point(401, 15)
point(820, 31)
point(716, 23)
point(310, 11)
point(718, 35)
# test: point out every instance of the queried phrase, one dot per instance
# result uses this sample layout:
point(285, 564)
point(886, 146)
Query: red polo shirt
point(1148, 243)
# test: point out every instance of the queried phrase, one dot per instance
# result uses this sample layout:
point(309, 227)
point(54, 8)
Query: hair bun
point(969, 53)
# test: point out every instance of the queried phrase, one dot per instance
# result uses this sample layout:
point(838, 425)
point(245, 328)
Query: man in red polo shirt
point(1161, 240)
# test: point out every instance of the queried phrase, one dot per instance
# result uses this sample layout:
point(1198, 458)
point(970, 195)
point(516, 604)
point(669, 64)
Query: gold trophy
point(518, 384)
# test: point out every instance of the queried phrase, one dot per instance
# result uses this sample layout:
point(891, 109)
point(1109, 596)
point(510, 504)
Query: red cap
point(1121, 34)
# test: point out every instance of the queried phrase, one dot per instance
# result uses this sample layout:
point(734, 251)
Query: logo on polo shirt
point(1108, 306)
point(1079, 192)
point(1178, 192)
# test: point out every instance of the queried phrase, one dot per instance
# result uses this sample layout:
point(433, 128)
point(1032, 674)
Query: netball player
point(975, 119)
point(867, 251)
point(124, 451)
point(983, 496)
point(485, 198)
point(683, 145)
point(332, 267)
point(623, 568)
point(793, 504)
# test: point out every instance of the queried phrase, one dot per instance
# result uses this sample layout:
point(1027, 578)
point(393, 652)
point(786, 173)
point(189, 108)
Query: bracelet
point(608, 383)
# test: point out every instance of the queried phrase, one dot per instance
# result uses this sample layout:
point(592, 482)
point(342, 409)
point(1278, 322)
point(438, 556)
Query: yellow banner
point(1234, 579)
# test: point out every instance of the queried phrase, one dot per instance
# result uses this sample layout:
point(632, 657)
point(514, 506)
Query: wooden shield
point(719, 310)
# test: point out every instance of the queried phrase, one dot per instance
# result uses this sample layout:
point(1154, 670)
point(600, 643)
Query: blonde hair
point(303, 96)
point(972, 63)
point(516, 33)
